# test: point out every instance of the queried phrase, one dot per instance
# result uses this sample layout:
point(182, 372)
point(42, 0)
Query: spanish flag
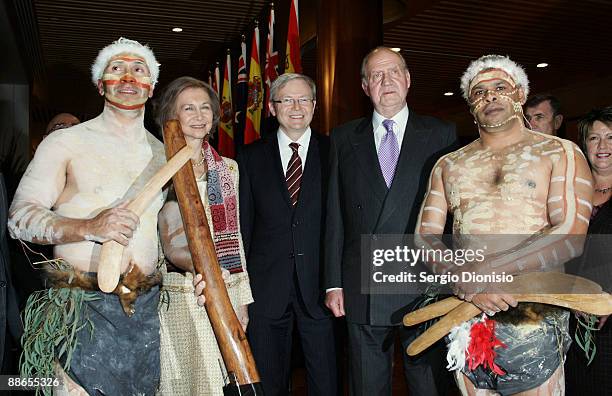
point(226, 121)
point(255, 95)
point(293, 64)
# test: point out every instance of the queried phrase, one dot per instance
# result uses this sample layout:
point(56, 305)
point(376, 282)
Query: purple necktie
point(388, 153)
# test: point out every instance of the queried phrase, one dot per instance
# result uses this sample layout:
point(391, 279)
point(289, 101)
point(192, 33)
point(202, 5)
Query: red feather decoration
point(482, 346)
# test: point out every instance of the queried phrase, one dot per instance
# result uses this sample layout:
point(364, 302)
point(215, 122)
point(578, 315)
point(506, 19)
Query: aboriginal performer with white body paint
point(526, 193)
point(74, 195)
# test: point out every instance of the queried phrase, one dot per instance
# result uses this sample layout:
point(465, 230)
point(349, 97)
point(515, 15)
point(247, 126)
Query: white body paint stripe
point(432, 225)
point(434, 209)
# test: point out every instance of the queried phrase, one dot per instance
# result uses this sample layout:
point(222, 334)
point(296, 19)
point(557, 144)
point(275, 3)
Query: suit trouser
point(270, 341)
point(371, 356)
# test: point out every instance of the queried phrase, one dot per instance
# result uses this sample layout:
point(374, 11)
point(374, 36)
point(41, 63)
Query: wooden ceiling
point(67, 34)
point(440, 39)
point(60, 39)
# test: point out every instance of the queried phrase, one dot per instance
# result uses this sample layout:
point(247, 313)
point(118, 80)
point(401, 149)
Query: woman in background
point(595, 264)
point(190, 358)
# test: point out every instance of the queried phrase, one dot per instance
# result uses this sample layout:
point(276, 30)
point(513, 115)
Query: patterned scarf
point(223, 204)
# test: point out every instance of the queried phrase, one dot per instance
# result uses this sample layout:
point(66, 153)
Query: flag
point(255, 94)
point(215, 82)
point(242, 85)
point(210, 79)
point(293, 64)
point(271, 69)
point(226, 120)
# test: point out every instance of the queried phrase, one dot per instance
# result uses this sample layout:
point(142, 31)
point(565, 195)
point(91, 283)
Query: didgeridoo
point(232, 341)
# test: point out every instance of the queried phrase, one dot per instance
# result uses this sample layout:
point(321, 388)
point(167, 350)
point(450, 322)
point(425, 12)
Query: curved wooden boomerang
point(585, 296)
point(112, 252)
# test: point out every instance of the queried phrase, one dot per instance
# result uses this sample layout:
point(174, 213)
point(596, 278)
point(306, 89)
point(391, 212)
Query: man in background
point(61, 121)
point(543, 112)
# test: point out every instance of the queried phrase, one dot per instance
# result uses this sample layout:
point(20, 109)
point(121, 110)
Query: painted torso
point(500, 192)
point(86, 169)
point(500, 198)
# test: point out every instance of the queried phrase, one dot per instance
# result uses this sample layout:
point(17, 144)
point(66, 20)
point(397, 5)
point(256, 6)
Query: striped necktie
point(294, 174)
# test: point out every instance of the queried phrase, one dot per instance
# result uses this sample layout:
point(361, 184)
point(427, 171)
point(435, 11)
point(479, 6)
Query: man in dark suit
point(378, 174)
point(10, 322)
point(282, 189)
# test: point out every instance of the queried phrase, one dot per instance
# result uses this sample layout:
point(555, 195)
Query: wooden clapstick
point(231, 339)
point(455, 317)
point(439, 308)
point(109, 265)
point(596, 304)
point(530, 284)
point(569, 291)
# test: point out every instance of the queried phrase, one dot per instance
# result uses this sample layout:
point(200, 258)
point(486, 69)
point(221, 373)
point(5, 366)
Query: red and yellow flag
point(293, 64)
point(255, 94)
point(226, 120)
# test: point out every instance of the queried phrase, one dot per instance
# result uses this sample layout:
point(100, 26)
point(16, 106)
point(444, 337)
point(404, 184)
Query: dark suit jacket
point(10, 322)
point(594, 262)
point(360, 203)
point(279, 239)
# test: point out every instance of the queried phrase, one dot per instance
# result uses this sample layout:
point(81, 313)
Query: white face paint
point(126, 83)
point(494, 99)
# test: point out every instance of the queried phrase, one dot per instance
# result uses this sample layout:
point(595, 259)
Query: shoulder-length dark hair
point(165, 108)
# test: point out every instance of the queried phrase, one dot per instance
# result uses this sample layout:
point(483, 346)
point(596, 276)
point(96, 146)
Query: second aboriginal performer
point(74, 196)
point(526, 192)
point(190, 358)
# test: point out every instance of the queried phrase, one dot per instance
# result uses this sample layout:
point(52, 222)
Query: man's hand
point(486, 296)
point(334, 300)
point(117, 224)
point(602, 321)
point(199, 285)
point(242, 313)
point(491, 303)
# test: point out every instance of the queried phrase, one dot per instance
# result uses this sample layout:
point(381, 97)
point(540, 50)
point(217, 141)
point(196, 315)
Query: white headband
point(124, 46)
point(494, 62)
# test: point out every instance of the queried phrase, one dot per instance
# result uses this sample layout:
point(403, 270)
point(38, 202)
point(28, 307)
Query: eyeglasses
point(288, 102)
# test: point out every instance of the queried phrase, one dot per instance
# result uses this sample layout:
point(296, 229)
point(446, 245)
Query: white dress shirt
point(286, 152)
point(399, 126)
